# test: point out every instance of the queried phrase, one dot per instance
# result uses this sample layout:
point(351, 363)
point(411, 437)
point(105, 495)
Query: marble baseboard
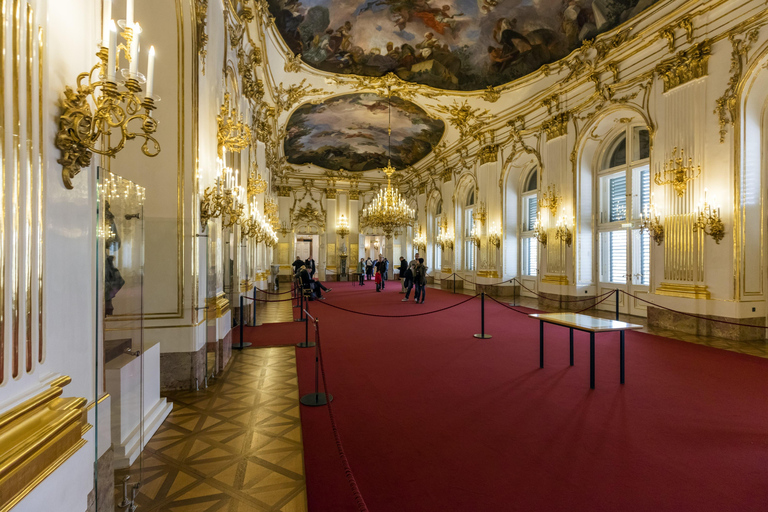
point(106, 484)
point(497, 290)
point(447, 284)
point(225, 352)
point(672, 320)
point(178, 370)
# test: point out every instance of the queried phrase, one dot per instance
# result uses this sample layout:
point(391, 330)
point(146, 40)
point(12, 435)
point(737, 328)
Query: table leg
point(592, 360)
point(541, 344)
point(571, 347)
point(621, 352)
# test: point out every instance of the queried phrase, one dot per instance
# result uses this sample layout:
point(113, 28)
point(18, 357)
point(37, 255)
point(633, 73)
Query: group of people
point(304, 271)
point(414, 274)
point(373, 270)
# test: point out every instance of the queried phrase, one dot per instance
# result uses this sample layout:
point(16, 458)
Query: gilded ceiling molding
point(727, 108)
point(292, 62)
point(284, 191)
point(330, 193)
point(551, 102)
point(464, 118)
point(201, 14)
point(491, 94)
point(668, 32)
point(556, 126)
point(287, 98)
point(253, 88)
point(687, 65)
point(517, 132)
point(489, 154)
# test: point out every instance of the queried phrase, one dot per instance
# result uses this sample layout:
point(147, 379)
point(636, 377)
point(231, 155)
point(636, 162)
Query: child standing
point(377, 278)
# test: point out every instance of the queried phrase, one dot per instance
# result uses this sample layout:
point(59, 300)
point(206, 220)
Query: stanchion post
point(482, 334)
point(254, 307)
point(454, 282)
point(617, 304)
point(317, 398)
point(514, 292)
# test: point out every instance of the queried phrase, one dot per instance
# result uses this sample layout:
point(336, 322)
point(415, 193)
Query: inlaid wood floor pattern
point(235, 446)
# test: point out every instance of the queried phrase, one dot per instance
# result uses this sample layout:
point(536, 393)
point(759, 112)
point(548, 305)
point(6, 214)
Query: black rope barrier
point(593, 297)
point(508, 306)
point(400, 316)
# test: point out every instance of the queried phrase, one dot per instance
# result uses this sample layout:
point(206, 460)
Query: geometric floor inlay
point(235, 446)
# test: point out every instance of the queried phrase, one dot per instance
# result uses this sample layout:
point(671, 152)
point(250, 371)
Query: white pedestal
point(123, 382)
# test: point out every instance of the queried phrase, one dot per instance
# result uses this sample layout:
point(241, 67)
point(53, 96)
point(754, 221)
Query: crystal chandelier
point(342, 226)
point(388, 211)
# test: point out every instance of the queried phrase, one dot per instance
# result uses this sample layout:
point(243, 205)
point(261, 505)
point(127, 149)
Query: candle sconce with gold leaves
point(677, 173)
point(649, 220)
point(474, 236)
point(539, 232)
point(480, 214)
point(342, 226)
point(550, 200)
point(232, 133)
point(225, 199)
point(708, 220)
point(99, 109)
point(420, 241)
point(256, 184)
point(494, 235)
point(257, 226)
point(445, 239)
point(562, 232)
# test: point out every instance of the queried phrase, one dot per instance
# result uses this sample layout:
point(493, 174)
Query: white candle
point(134, 68)
point(112, 51)
point(128, 13)
point(105, 24)
point(150, 72)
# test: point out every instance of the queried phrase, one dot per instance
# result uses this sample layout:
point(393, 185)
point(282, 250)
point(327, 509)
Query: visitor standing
point(379, 282)
point(420, 278)
point(361, 271)
point(369, 268)
point(401, 273)
point(412, 273)
point(297, 265)
point(381, 268)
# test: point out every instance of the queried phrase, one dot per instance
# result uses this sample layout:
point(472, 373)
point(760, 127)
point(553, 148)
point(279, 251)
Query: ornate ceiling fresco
point(448, 44)
point(350, 132)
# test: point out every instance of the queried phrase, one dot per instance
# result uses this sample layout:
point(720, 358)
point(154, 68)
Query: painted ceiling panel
point(350, 132)
point(449, 44)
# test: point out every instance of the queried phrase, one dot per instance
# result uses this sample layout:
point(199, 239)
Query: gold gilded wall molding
point(216, 307)
point(284, 190)
point(682, 290)
point(668, 33)
point(40, 196)
point(16, 190)
point(556, 126)
point(726, 106)
point(286, 98)
point(292, 62)
point(36, 437)
point(464, 118)
point(489, 154)
point(330, 193)
point(29, 184)
point(687, 65)
point(491, 94)
point(201, 15)
point(3, 234)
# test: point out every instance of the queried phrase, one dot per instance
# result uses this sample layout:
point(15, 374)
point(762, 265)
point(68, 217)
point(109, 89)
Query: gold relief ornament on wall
point(465, 118)
point(494, 235)
point(556, 126)
point(480, 214)
point(708, 220)
point(96, 109)
point(232, 133)
point(201, 14)
point(489, 154)
point(687, 65)
point(550, 199)
point(677, 173)
point(562, 232)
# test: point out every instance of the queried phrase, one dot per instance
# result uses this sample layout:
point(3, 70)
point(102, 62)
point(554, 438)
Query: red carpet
point(270, 335)
point(435, 420)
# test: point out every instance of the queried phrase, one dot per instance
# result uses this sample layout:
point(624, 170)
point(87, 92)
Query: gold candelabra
point(649, 220)
point(562, 232)
point(550, 199)
point(708, 220)
point(676, 173)
point(494, 235)
point(285, 228)
point(480, 214)
point(232, 133)
point(539, 232)
point(474, 236)
point(98, 107)
point(420, 241)
point(342, 226)
point(226, 199)
point(256, 184)
point(445, 239)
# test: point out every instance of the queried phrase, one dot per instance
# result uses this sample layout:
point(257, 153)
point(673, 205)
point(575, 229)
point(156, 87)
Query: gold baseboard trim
point(246, 285)
point(558, 279)
point(216, 307)
point(686, 291)
point(488, 273)
point(36, 437)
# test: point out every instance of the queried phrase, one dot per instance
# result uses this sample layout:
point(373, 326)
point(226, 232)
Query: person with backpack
point(420, 279)
point(409, 277)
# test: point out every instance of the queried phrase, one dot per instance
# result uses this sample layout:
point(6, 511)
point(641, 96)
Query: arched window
point(624, 188)
point(469, 224)
point(529, 246)
point(436, 231)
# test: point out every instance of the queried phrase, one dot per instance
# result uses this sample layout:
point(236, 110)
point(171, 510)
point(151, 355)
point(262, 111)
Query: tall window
point(624, 192)
point(529, 246)
point(469, 224)
point(437, 230)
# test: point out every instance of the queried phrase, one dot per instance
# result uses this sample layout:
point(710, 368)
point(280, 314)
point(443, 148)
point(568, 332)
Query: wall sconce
point(81, 127)
point(480, 213)
point(285, 228)
point(256, 184)
point(494, 235)
point(226, 199)
point(445, 239)
point(562, 232)
point(539, 233)
point(708, 220)
point(550, 199)
point(257, 226)
point(420, 241)
point(376, 245)
point(474, 236)
point(649, 219)
point(342, 226)
point(679, 174)
point(232, 134)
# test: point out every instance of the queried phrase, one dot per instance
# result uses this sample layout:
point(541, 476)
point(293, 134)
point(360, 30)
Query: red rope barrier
point(400, 316)
point(361, 506)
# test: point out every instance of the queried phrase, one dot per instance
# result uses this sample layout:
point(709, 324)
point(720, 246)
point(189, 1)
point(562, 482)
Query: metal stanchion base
point(299, 319)
point(315, 399)
point(305, 345)
point(482, 336)
point(245, 344)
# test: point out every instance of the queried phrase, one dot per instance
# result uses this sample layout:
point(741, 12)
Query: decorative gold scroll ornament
point(550, 199)
point(81, 127)
point(232, 133)
point(676, 173)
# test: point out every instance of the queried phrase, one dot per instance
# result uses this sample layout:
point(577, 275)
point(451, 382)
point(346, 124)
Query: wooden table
point(588, 324)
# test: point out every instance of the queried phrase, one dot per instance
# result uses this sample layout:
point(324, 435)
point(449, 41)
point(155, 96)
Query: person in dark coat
point(310, 264)
point(297, 265)
point(317, 289)
point(306, 282)
point(403, 268)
